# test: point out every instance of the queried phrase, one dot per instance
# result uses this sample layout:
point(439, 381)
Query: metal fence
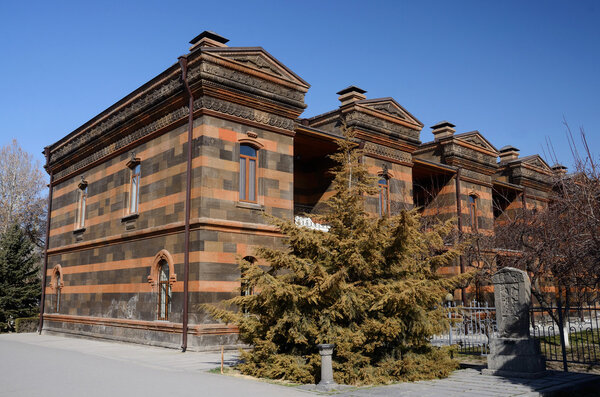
point(572, 336)
point(470, 328)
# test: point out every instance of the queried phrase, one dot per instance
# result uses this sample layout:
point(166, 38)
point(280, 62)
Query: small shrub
point(27, 324)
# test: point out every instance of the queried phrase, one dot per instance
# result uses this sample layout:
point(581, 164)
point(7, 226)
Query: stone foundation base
point(515, 357)
point(163, 334)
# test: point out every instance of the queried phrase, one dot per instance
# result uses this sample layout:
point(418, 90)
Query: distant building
point(116, 261)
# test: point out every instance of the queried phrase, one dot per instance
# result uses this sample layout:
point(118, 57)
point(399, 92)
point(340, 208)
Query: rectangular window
point(134, 190)
point(384, 197)
point(81, 207)
point(473, 212)
point(248, 174)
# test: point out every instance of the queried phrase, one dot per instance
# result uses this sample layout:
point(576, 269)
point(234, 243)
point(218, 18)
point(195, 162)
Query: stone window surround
point(255, 144)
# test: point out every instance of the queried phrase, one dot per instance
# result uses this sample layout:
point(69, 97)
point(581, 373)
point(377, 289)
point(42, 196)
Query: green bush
point(27, 324)
point(369, 285)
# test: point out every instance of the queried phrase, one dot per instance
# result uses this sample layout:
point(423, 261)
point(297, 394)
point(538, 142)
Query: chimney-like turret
point(443, 129)
point(508, 153)
point(559, 170)
point(350, 95)
point(208, 39)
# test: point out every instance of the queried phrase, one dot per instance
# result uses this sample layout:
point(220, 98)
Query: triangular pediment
point(391, 108)
point(258, 59)
point(476, 139)
point(537, 162)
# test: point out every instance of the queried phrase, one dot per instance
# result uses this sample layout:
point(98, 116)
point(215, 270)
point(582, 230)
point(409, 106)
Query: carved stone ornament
point(513, 352)
point(453, 149)
point(258, 62)
point(384, 151)
point(143, 103)
point(140, 133)
point(390, 109)
point(244, 112)
point(383, 126)
point(82, 183)
point(223, 75)
point(133, 161)
point(476, 140)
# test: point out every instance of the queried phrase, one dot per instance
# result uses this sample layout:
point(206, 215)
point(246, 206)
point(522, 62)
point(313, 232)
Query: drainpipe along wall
point(45, 270)
point(460, 231)
point(186, 270)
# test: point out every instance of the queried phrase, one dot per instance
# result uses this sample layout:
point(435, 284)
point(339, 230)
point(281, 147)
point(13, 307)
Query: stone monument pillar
point(513, 352)
point(327, 382)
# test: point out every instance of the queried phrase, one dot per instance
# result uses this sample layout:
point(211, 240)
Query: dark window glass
point(134, 190)
point(164, 291)
point(384, 197)
point(248, 174)
point(82, 206)
point(473, 212)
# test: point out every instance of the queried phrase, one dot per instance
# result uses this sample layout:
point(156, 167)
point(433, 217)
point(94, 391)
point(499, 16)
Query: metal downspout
point(46, 243)
point(460, 231)
point(188, 193)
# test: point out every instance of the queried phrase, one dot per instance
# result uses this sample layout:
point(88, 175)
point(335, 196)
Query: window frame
point(134, 205)
point(245, 289)
point(163, 307)
point(384, 193)
point(244, 196)
point(473, 215)
point(82, 205)
point(57, 284)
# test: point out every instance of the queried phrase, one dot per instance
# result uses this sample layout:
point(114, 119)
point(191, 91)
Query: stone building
point(153, 200)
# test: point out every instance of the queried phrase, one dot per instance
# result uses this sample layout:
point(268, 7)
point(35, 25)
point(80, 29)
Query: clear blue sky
point(510, 69)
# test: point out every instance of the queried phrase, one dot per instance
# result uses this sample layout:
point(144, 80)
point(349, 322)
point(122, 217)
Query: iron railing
point(470, 328)
point(580, 327)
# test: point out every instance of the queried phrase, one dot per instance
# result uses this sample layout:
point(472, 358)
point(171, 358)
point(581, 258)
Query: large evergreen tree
point(19, 281)
point(369, 285)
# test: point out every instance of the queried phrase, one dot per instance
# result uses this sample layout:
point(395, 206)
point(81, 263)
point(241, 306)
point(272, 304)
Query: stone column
point(513, 352)
point(327, 382)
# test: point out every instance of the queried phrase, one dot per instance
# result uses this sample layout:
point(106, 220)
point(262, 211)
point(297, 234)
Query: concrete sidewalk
point(32, 364)
point(470, 382)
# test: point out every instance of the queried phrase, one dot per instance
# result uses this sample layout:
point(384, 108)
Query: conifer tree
point(19, 281)
point(369, 285)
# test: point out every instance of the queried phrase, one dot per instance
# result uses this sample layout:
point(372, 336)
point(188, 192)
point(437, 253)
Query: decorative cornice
point(214, 104)
point(272, 101)
point(387, 152)
point(244, 112)
point(118, 118)
point(123, 142)
point(369, 122)
point(252, 84)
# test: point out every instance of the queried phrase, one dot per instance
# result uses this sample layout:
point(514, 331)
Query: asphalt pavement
point(51, 365)
point(46, 365)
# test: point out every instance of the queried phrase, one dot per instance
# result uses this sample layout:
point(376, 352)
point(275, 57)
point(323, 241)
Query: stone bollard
point(327, 382)
point(513, 352)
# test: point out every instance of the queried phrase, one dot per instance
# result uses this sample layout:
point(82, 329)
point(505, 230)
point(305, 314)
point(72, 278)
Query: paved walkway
point(470, 382)
point(49, 365)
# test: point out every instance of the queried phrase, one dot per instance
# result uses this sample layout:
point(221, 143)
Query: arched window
point(81, 203)
point(245, 288)
point(164, 290)
point(248, 173)
point(384, 196)
point(134, 188)
point(473, 212)
point(56, 283)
